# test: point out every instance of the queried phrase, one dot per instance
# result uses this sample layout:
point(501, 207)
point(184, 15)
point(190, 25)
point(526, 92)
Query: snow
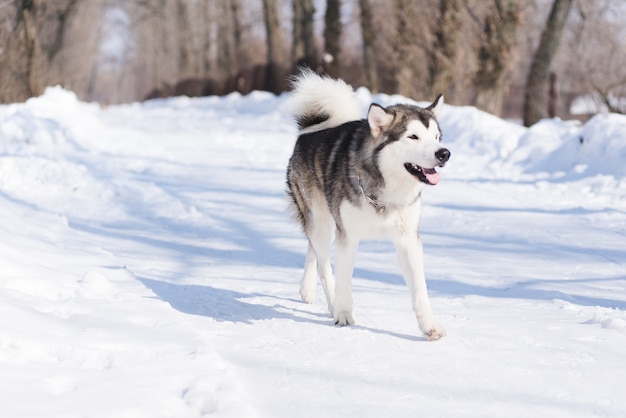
point(150, 268)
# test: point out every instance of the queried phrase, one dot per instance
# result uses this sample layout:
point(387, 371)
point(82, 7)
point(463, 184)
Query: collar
point(378, 205)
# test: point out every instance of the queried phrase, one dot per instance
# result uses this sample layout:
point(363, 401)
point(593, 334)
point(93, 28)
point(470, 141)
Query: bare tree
point(87, 51)
point(536, 84)
point(304, 49)
point(405, 46)
point(369, 45)
point(24, 42)
point(156, 49)
point(235, 11)
point(332, 37)
point(36, 37)
point(495, 54)
point(184, 40)
point(593, 55)
point(226, 55)
point(205, 33)
point(275, 77)
point(443, 53)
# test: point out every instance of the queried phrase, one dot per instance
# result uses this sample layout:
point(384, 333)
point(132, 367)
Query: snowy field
point(149, 268)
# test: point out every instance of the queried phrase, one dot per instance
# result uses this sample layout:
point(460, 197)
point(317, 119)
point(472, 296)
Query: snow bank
point(559, 148)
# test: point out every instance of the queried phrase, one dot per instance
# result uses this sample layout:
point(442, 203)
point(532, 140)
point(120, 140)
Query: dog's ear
point(437, 105)
point(378, 119)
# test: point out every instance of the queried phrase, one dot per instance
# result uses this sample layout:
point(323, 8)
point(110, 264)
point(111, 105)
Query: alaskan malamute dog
point(356, 179)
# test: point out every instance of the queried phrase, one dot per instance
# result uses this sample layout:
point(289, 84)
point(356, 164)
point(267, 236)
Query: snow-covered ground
point(149, 268)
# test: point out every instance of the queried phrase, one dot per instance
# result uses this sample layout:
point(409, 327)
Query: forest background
point(522, 59)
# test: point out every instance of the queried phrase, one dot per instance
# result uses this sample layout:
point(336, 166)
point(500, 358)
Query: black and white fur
point(353, 179)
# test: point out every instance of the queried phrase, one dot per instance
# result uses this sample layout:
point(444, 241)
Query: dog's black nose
point(442, 155)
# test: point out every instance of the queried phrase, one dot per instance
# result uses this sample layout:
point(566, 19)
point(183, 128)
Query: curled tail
point(320, 102)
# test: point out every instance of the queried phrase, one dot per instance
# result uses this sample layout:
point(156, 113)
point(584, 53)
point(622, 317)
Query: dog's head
point(408, 139)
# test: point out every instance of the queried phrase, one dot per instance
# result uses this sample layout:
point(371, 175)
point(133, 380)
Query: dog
point(351, 179)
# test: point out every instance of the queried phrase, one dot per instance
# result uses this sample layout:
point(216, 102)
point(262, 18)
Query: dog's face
point(409, 140)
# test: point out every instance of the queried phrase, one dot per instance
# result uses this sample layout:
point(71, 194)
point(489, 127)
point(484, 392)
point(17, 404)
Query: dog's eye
point(413, 136)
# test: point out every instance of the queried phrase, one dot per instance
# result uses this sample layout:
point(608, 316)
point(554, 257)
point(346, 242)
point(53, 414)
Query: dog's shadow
point(228, 305)
point(224, 305)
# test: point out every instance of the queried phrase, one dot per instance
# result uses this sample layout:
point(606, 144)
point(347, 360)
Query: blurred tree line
point(513, 58)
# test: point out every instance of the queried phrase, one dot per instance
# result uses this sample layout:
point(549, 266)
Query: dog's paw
point(307, 295)
point(344, 318)
point(434, 333)
point(429, 326)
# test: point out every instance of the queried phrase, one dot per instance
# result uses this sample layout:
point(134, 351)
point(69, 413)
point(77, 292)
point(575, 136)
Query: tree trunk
point(332, 38)
point(63, 16)
point(405, 48)
point(275, 77)
point(495, 55)
point(369, 46)
point(32, 80)
point(205, 48)
point(444, 50)
point(225, 46)
point(235, 11)
point(35, 37)
point(297, 46)
point(536, 85)
point(184, 40)
point(23, 55)
point(304, 49)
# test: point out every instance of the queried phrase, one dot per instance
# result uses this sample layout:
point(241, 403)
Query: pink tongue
point(431, 175)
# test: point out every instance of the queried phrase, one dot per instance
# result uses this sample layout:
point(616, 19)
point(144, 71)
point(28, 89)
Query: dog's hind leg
point(410, 256)
point(320, 235)
point(309, 279)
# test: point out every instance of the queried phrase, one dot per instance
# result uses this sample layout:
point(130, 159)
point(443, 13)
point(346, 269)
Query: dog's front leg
point(410, 256)
point(344, 264)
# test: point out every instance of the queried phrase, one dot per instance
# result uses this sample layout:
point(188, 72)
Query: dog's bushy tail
point(320, 102)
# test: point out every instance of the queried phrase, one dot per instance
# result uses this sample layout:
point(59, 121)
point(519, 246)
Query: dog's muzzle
point(428, 175)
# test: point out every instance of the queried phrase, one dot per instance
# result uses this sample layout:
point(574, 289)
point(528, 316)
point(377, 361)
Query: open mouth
point(425, 175)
